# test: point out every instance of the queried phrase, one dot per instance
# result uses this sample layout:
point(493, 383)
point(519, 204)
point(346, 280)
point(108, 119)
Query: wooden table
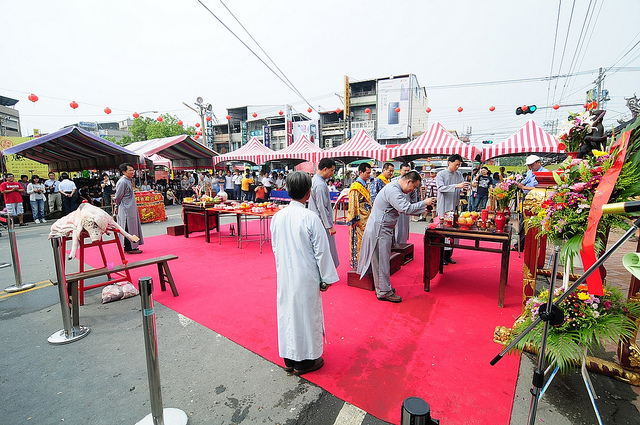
point(197, 209)
point(435, 238)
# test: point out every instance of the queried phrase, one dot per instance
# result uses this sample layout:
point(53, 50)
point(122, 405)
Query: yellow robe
point(357, 216)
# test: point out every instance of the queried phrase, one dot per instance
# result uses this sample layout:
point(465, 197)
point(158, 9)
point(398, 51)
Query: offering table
point(434, 245)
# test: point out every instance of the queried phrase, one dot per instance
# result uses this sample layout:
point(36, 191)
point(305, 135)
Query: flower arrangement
point(574, 131)
point(506, 190)
point(563, 216)
point(589, 321)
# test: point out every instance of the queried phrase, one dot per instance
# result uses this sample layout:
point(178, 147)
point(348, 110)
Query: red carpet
point(435, 345)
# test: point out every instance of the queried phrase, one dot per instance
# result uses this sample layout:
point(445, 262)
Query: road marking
point(39, 285)
point(350, 415)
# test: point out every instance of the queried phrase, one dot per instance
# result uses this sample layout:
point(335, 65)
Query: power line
point(564, 49)
point(553, 55)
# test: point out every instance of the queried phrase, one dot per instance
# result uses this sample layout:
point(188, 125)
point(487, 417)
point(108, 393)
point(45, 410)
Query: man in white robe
point(375, 249)
point(304, 268)
point(402, 227)
point(127, 209)
point(320, 202)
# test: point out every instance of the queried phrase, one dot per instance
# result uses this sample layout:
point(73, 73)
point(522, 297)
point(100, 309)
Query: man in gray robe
point(450, 182)
point(375, 249)
point(320, 202)
point(402, 228)
point(127, 209)
point(303, 269)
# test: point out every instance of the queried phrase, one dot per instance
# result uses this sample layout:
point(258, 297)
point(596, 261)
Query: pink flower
point(578, 187)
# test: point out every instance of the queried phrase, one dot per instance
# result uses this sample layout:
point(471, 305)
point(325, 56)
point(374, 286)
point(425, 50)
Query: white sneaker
point(37, 221)
point(43, 221)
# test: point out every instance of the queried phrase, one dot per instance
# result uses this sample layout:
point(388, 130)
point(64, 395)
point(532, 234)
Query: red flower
point(562, 146)
point(596, 170)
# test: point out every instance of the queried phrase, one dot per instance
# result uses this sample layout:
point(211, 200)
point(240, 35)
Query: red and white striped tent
point(436, 141)
point(358, 147)
point(529, 139)
point(254, 151)
point(303, 149)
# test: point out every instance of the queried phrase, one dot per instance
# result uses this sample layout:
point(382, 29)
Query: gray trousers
point(381, 267)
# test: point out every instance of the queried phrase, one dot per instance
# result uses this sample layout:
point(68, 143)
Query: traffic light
point(526, 109)
point(487, 142)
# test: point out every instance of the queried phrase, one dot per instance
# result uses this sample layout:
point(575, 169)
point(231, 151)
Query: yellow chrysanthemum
point(598, 153)
point(582, 296)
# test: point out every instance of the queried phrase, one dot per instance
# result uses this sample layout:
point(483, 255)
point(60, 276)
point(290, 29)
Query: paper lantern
point(197, 137)
point(254, 115)
point(397, 110)
point(428, 110)
point(367, 111)
point(556, 106)
point(338, 110)
point(180, 122)
point(159, 119)
point(228, 117)
point(73, 105)
point(136, 115)
point(460, 109)
point(107, 110)
point(208, 118)
point(200, 133)
point(281, 113)
point(492, 108)
point(32, 97)
point(309, 110)
point(197, 124)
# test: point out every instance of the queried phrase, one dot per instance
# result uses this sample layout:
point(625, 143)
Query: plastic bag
point(118, 291)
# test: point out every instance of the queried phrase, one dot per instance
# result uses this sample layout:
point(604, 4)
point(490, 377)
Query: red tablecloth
point(150, 206)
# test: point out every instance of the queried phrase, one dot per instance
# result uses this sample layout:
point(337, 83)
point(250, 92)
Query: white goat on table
point(90, 218)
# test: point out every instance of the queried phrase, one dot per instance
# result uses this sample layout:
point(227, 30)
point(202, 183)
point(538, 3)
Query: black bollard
point(416, 411)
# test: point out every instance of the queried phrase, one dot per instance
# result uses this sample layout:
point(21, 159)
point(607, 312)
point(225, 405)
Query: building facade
point(9, 118)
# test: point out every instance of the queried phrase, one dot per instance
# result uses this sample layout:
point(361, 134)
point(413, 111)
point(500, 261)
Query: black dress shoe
point(316, 365)
point(451, 261)
point(445, 262)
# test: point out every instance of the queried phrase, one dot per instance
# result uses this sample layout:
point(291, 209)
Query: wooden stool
point(396, 261)
point(406, 249)
point(353, 279)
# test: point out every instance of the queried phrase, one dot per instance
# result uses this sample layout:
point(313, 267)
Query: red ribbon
point(601, 197)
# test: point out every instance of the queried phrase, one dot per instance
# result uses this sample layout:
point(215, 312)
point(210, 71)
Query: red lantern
point(197, 124)
point(556, 106)
point(180, 122)
point(107, 110)
point(197, 137)
point(32, 97)
point(281, 113)
point(428, 110)
point(367, 111)
point(73, 105)
point(208, 118)
point(136, 115)
point(254, 115)
point(460, 109)
point(525, 108)
point(309, 110)
point(199, 133)
point(492, 108)
point(398, 110)
point(228, 117)
point(338, 110)
point(159, 119)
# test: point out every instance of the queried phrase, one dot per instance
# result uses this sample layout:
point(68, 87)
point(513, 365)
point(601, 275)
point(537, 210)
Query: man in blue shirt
point(528, 183)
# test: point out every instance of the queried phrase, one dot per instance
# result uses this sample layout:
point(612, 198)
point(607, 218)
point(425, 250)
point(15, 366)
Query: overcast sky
point(148, 55)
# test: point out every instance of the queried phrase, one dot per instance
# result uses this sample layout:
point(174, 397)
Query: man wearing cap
point(528, 183)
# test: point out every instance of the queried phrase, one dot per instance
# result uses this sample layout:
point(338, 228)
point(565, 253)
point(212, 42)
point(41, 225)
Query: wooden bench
point(164, 272)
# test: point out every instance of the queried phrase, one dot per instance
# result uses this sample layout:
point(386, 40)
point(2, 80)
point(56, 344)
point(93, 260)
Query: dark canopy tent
point(73, 149)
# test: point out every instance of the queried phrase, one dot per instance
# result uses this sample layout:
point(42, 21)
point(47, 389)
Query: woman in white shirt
point(36, 190)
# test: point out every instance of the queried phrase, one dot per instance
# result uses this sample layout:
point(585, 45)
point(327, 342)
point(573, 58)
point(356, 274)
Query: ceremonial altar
point(434, 244)
point(150, 206)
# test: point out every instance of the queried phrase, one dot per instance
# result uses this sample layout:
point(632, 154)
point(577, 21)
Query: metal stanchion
point(416, 411)
point(72, 330)
point(158, 415)
point(16, 261)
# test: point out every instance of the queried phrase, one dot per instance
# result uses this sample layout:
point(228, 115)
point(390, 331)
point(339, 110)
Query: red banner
point(601, 197)
point(150, 206)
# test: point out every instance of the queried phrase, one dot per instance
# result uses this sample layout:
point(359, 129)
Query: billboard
point(307, 128)
point(394, 108)
point(19, 165)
